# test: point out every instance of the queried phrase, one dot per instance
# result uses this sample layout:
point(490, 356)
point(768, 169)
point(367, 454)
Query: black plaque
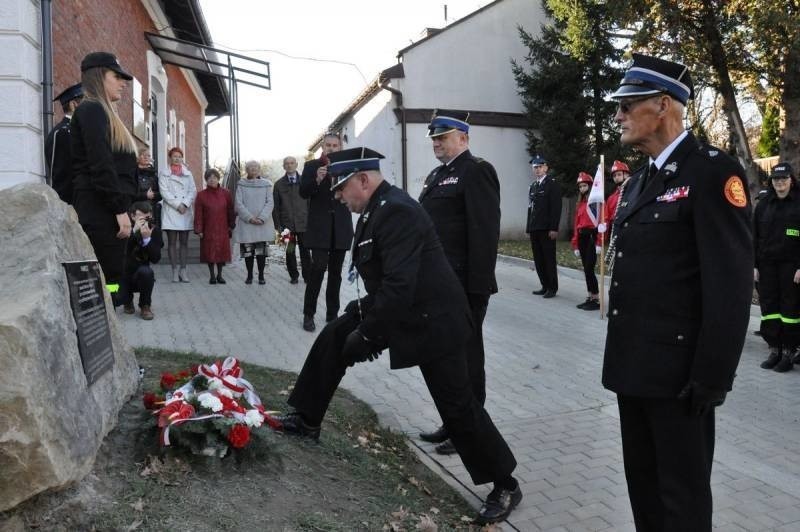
point(89, 310)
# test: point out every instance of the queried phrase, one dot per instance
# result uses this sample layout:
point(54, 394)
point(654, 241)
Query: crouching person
point(142, 250)
point(416, 308)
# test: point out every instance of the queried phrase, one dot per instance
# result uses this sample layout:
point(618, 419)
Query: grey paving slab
point(543, 391)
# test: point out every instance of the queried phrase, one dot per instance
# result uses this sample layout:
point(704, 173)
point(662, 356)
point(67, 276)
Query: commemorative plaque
point(89, 309)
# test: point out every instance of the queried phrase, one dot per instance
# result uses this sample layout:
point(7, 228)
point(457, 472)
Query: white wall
point(469, 64)
point(21, 142)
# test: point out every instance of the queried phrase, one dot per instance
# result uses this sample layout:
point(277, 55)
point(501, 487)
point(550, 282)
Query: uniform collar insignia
point(671, 167)
point(713, 153)
point(383, 202)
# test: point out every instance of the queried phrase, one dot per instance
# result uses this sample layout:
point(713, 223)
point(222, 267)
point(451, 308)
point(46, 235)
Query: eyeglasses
point(625, 106)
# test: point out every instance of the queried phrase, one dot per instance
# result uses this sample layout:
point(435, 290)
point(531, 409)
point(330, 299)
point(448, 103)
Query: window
point(182, 136)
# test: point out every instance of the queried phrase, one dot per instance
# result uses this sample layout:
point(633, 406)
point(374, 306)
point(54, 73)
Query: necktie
point(651, 172)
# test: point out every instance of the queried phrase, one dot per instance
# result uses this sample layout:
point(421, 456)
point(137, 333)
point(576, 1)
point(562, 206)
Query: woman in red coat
point(586, 242)
point(213, 222)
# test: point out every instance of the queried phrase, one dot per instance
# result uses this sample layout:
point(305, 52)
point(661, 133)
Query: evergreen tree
point(769, 142)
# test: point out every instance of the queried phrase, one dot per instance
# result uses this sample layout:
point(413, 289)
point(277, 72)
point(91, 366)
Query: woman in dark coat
point(104, 164)
point(214, 219)
point(147, 183)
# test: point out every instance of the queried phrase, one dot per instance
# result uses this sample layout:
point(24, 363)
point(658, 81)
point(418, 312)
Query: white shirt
point(664, 155)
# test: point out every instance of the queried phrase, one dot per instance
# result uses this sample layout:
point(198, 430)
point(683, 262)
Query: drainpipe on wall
point(403, 143)
point(47, 68)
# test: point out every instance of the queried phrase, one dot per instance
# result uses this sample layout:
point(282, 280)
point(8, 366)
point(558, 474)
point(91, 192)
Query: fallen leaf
point(133, 526)
point(283, 392)
point(413, 481)
point(426, 524)
point(434, 510)
point(138, 505)
point(363, 441)
point(466, 519)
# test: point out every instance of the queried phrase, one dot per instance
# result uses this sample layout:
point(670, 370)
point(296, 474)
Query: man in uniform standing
point(328, 234)
point(544, 214)
point(679, 300)
point(57, 152)
point(291, 212)
point(462, 197)
point(415, 307)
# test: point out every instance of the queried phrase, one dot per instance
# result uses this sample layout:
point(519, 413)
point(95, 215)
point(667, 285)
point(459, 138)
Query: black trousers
point(483, 450)
point(779, 298)
point(322, 260)
point(476, 355)
point(587, 241)
point(305, 259)
point(668, 455)
point(544, 258)
point(142, 280)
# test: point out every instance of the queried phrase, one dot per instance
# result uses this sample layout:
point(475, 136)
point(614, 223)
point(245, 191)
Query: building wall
point(118, 26)
point(21, 150)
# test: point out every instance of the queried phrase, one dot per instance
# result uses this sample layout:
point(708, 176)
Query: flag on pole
point(596, 196)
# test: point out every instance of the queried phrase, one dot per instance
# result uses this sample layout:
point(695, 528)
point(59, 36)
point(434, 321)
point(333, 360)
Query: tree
point(769, 142)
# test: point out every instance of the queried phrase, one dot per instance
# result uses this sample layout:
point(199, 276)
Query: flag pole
point(602, 244)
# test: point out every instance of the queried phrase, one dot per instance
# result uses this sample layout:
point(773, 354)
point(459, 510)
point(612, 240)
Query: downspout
point(47, 68)
point(403, 139)
point(205, 137)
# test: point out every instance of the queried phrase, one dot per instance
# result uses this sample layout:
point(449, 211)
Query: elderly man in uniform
point(415, 307)
point(57, 152)
point(462, 197)
point(679, 299)
point(544, 214)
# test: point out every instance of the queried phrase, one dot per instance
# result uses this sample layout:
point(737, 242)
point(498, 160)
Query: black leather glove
point(358, 349)
point(701, 398)
point(478, 300)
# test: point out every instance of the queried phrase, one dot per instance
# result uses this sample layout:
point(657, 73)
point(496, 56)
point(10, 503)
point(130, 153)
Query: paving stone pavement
point(543, 364)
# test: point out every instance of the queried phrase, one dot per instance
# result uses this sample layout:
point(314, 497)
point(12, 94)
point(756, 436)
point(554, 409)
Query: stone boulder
point(52, 422)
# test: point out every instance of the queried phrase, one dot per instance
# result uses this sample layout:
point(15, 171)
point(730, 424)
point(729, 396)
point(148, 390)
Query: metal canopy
point(235, 68)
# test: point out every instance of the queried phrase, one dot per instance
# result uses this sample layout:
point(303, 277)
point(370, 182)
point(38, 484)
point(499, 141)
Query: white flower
point(209, 401)
point(253, 418)
point(214, 383)
point(225, 391)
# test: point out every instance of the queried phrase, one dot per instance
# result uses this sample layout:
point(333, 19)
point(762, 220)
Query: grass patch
point(522, 249)
point(358, 477)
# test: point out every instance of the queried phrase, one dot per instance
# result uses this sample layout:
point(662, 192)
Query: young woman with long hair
point(104, 164)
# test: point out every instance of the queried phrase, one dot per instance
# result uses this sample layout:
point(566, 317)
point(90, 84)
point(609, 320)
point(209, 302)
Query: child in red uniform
point(586, 242)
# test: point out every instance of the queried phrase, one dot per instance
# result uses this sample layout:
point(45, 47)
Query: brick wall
point(118, 26)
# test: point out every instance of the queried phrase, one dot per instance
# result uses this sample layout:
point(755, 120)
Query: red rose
point(184, 374)
point(194, 369)
point(167, 381)
point(239, 436)
point(149, 399)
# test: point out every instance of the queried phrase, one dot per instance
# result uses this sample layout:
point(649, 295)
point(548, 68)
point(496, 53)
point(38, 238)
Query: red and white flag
point(597, 197)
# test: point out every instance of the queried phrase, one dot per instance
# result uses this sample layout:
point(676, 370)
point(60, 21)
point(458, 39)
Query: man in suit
point(291, 212)
point(544, 214)
point(328, 236)
point(415, 307)
point(57, 154)
point(679, 301)
point(462, 197)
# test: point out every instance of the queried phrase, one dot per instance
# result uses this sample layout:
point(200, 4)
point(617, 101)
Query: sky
point(321, 55)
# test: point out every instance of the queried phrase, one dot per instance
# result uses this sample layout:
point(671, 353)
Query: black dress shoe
point(220, 280)
point(293, 280)
point(249, 280)
point(581, 305)
point(308, 323)
point(446, 448)
point(549, 294)
point(212, 280)
point(437, 436)
point(261, 280)
point(498, 505)
point(540, 292)
point(592, 304)
point(294, 424)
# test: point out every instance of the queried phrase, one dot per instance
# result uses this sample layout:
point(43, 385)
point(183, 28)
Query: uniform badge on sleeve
point(735, 192)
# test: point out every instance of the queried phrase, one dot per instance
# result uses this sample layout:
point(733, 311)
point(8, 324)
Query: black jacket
point(416, 305)
point(58, 158)
point(463, 200)
point(330, 224)
point(776, 229)
point(147, 178)
point(682, 285)
point(138, 255)
point(544, 205)
point(106, 175)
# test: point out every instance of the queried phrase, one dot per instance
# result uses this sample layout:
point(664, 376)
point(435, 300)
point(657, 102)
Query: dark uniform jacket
point(108, 176)
point(57, 155)
point(146, 179)
point(776, 229)
point(463, 200)
point(544, 205)
point(683, 282)
point(137, 255)
point(326, 215)
point(415, 304)
point(291, 209)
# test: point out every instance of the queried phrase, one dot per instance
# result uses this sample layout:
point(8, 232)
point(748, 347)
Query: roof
point(373, 88)
point(188, 23)
point(432, 35)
